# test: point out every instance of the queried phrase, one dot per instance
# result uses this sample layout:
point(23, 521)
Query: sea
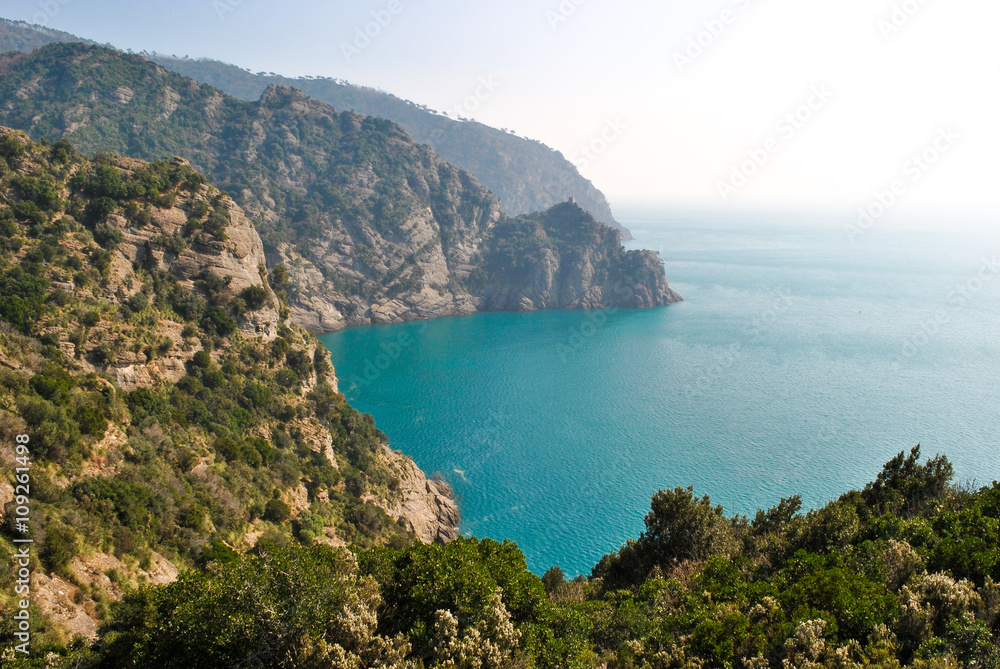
point(806, 354)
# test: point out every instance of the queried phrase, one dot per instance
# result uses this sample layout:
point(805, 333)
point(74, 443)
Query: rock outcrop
point(564, 259)
point(424, 506)
point(171, 406)
point(371, 226)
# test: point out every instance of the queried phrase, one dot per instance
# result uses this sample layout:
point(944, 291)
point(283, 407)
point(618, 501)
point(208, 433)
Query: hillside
point(525, 174)
point(174, 413)
point(21, 36)
point(902, 573)
point(372, 227)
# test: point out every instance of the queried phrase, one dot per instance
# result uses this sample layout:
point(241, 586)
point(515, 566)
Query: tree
point(905, 487)
point(283, 607)
point(682, 527)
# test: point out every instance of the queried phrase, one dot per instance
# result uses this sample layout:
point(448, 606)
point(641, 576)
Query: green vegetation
point(161, 431)
point(327, 192)
point(248, 438)
point(901, 573)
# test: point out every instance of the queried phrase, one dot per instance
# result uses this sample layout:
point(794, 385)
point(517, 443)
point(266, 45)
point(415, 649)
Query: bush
point(107, 236)
point(91, 420)
point(257, 395)
point(299, 361)
point(218, 620)
point(130, 503)
point(59, 547)
point(98, 210)
point(23, 298)
point(217, 321)
point(42, 192)
point(277, 511)
point(216, 223)
point(256, 297)
point(174, 244)
point(287, 378)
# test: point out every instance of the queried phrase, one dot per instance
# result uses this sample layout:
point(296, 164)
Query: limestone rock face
point(235, 257)
point(58, 600)
point(424, 505)
point(563, 258)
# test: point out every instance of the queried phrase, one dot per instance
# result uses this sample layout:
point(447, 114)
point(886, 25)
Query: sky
point(873, 107)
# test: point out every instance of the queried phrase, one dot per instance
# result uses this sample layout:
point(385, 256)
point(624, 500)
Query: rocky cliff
point(175, 413)
point(564, 259)
point(372, 227)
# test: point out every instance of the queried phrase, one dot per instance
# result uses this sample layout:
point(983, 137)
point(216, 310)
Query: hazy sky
point(667, 119)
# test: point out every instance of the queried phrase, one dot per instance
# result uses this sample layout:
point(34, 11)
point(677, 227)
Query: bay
point(800, 361)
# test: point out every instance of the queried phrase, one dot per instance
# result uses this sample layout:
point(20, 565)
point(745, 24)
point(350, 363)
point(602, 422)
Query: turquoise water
point(799, 363)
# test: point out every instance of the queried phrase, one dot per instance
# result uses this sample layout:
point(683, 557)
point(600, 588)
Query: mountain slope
point(372, 227)
point(525, 174)
point(173, 411)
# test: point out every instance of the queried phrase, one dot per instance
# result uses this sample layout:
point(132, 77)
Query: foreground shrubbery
point(901, 573)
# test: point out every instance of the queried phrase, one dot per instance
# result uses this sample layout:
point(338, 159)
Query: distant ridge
point(525, 174)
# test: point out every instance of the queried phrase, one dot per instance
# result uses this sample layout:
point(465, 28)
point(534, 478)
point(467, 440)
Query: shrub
point(320, 608)
point(11, 147)
point(107, 236)
point(287, 378)
point(216, 223)
point(256, 297)
point(277, 511)
point(91, 420)
point(130, 503)
point(138, 302)
point(299, 361)
point(29, 213)
point(23, 298)
point(197, 208)
point(217, 321)
point(257, 395)
point(174, 244)
point(60, 546)
point(98, 210)
point(42, 192)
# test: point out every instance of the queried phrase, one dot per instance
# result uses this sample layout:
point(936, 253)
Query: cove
point(798, 364)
